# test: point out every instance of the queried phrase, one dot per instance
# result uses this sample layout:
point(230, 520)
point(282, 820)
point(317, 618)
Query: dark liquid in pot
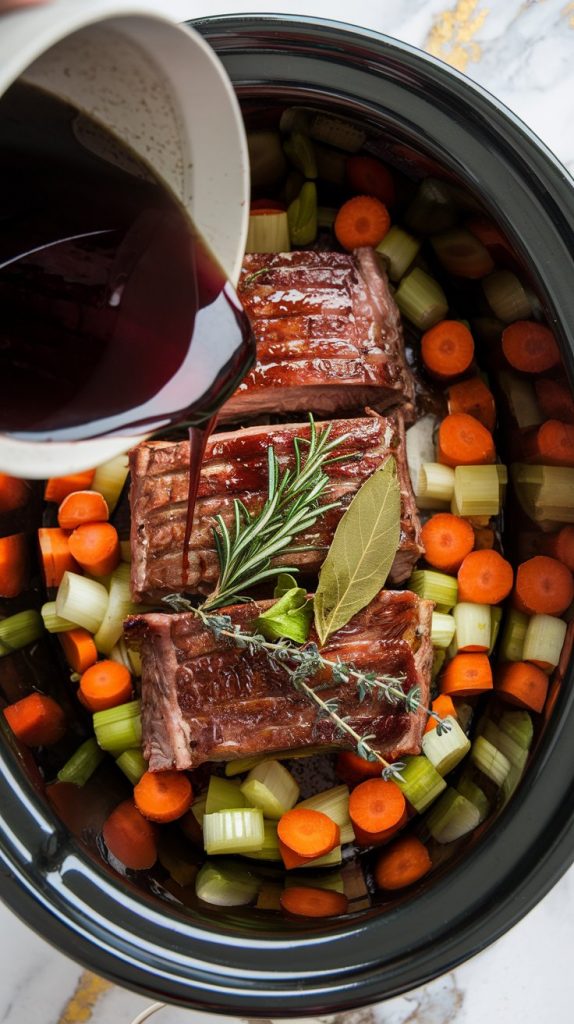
point(115, 316)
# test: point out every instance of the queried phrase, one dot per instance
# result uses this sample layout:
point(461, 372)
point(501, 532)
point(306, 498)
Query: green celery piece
point(223, 795)
point(302, 215)
point(420, 782)
point(289, 617)
point(518, 725)
point(228, 884)
point(133, 764)
point(300, 151)
point(82, 764)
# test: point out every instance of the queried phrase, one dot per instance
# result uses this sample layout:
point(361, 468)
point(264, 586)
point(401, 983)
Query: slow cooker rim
point(362, 982)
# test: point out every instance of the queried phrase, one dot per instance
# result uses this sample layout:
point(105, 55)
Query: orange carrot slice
point(163, 796)
point(82, 507)
point(447, 540)
point(105, 685)
point(36, 720)
point(79, 649)
point(369, 177)
point(59, 487)
point(402, 864)
point(361, 221)
point(130, 837)
point(463, 441)
point(473, 398)
point(13, 564)
point(530, 347)
point(523, 685)
point(376, 805)
point(543, 586)
point(484, 577)
point(305, 901)
point(466, 675)
point(96, 547)
point(55, 555)
point(308, 833)
point(447, 349)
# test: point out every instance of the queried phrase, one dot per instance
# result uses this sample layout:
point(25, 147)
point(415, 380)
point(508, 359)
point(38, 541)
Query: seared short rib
point(328, 334)
point(206, 700)
point(235, 466)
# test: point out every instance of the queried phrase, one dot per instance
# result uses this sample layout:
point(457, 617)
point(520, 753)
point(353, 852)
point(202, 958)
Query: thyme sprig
point(302, 663)
point(292, 506)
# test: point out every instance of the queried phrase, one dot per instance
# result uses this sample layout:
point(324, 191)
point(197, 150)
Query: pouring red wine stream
point(116, 317)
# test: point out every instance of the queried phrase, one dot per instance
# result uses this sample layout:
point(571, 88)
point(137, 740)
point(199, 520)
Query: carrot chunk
point(82, 507)
point(447, 540)
point(473, 398)
point(13, 564)
point(36, 720)
point(523, 685)
point(369, 177)
point(555, 400)
point(308, 833)
point(79, 649)
point(466, 675)
point(353, 769)
point(447, 349)
point(291, 859)
point(443, 706)
point(14, 493)
point(55, 555)
point(463, 441)
point(305, 901)
point(105, 685)
point(543, 586)
point(561, 546)
point(163, 796)
point(96, 547)
point(363, 838)
point(59, 487)
point(402, 864)
point(376, 805)
point(530, 347)
point(361, 221)
point(550, 444)
point(130, 837)
point(485, 577)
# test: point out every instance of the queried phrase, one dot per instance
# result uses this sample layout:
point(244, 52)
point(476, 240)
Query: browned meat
point(235, 466)
point(203, 700)
point(328, 336)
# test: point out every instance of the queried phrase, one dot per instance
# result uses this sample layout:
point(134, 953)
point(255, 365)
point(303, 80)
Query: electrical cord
point(148, 1012)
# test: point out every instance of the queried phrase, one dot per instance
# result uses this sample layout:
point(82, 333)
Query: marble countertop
point(522, 51)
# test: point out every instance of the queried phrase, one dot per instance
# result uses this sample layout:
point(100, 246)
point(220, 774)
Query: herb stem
point(309, 661)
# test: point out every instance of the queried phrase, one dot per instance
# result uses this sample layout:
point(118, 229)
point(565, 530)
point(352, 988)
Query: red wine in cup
point(116, 318)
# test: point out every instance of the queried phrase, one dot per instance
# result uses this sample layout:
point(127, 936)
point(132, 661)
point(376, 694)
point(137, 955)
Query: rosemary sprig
point(302, 663)
point(292, 506)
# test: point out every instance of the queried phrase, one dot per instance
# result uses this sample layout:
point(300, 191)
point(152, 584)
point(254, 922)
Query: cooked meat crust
point(328, 335)
point(206, 700)
point(235, 466)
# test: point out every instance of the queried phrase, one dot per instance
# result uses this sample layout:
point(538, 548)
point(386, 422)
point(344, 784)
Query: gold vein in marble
point(568, 12)
point(80, 1006)
point(452, 35)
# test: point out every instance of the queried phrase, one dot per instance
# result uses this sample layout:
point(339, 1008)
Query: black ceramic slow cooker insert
point(241, 963)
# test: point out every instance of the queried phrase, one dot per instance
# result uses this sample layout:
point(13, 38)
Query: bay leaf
point(361, 553)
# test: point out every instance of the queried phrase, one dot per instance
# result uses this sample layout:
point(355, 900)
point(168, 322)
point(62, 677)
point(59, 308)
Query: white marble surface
point(523, 52)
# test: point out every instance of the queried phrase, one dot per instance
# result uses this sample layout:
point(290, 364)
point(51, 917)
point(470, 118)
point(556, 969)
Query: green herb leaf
point(289, 617)
point(361, 553)
point(284, 583)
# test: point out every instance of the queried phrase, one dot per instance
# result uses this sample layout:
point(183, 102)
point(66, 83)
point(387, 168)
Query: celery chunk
point(452, 817)
point(446, 751)
point(233, 831)
point(226, 885)
point(420, 783)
